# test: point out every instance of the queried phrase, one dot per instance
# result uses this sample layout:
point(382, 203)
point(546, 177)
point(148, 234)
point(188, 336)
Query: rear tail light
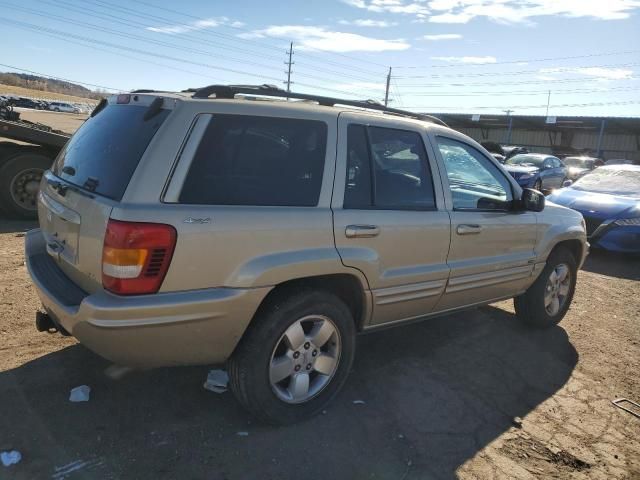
point(136, 256)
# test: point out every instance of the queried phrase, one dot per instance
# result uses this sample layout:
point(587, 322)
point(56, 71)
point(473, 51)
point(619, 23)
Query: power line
point(534, 82)
point(247, 30)
point(235, 38)
point(183, 36)
point(67, 37)
point(530, 60)
point(521, 72)
point(525, 92)
point(522, 107)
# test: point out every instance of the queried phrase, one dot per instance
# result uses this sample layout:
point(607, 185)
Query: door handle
point(362, 231)
point(468, 229)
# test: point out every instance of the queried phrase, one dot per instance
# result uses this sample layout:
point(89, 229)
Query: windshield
point(103, 154)
point(579, 162)
point(614, 182)
point(526, 160)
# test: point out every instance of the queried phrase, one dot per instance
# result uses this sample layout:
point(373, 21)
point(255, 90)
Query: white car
point(63, 107)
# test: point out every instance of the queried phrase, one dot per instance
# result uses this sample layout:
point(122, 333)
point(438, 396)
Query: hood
point(520, 169)
point(599, 205)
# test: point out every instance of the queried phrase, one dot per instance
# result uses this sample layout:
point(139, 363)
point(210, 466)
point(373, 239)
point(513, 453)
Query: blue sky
point(471, 56)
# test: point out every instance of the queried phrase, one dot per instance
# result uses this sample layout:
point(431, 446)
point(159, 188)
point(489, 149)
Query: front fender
point(559, 225)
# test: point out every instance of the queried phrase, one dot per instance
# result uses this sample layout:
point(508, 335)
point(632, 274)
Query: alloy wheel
point(305, 359)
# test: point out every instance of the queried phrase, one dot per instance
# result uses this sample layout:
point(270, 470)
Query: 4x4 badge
point(200, 221)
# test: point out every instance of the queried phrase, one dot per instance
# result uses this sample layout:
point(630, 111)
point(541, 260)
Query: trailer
point(27, 149)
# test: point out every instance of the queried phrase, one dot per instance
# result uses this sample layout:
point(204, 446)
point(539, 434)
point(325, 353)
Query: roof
point(270, 92)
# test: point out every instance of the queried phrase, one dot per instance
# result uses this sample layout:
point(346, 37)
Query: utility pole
point(386, 91)
point(509, 112)
point(548, 100)
point(289, 64)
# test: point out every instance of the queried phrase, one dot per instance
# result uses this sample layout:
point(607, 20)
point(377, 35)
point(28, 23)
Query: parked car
point(578, 166)
point(620, 161)
point(511, 150)
point(180, 229)
point(609, 200)
point(500, 158)
point(537, 170)
point(25, 102)
point(63, 107)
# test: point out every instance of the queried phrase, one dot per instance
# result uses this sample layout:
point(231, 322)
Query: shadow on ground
point(611, 264)
point(16, 226)
point(436, 392)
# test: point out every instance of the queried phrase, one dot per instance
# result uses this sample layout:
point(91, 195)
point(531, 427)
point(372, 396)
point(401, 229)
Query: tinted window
point(105, 151)
point(475, 182)
point(398, 160)
point(357, 192)
point(246, 160)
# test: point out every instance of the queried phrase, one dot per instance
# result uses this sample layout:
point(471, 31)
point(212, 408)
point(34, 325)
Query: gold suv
point(265, 229)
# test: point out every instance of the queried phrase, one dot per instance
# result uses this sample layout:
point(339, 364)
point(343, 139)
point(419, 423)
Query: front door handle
point(468, 229)
point(362, 231)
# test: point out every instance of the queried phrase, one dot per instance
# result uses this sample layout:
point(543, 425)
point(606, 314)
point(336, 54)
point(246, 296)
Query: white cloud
point(471, 60)
point(193, 26)
point(319, 38)
point(367, 22)
point(501, 11)
point(413, 7)
point(442, 36)
point(600, 72)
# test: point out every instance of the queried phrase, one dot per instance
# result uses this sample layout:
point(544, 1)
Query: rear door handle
point(362, 231)
point(468, 229)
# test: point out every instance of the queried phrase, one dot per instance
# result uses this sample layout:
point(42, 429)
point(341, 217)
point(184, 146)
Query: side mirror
point(532, 200)
point(567, 183)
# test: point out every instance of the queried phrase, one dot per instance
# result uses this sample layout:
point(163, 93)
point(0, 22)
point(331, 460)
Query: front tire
point(295, 356)
point(538, 185)
point(547, 301)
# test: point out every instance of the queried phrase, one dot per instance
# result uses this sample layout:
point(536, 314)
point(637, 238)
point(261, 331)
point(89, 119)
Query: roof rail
point(230, 91)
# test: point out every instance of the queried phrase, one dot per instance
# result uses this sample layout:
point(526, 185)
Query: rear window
point(105, 151)
point(262, 161)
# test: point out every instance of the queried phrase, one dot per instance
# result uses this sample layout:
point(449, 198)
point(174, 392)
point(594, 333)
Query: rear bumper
point(176, 328)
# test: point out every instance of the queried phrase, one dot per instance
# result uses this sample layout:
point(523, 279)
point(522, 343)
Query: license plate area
point(61, 228)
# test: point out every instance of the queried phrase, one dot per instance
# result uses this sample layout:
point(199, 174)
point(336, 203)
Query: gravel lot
point(440, 399)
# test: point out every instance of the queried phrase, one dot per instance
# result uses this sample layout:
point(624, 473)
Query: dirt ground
point(441, 399)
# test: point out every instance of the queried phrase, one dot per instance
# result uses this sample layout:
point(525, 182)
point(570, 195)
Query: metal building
point(605, 137)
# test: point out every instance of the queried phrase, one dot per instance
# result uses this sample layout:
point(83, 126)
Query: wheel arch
point(347, 287)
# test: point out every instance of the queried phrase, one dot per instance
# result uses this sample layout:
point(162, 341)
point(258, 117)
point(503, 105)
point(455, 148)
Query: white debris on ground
point(217, 381)
point(10, 458)
point(358, 402)
point(243, 434)
point(80, 394)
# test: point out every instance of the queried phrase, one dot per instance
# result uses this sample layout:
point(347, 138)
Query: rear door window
point(261, 161)
point(105, 151)
point(387, 169)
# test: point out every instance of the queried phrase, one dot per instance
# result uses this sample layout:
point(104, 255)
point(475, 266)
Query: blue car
point(537, 170)
point(609, 200)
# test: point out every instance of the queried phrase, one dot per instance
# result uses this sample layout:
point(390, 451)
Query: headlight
point(628, 222)
point(525, 176)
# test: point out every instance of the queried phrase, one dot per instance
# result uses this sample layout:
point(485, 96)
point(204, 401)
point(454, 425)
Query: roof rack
point(230, 91)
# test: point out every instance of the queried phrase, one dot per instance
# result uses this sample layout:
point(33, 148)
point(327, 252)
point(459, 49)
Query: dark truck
point(22, 164)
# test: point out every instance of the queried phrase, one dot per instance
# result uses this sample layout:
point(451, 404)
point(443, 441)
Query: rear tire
point(20, 176)
point(547, 301)
point(274, 340)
